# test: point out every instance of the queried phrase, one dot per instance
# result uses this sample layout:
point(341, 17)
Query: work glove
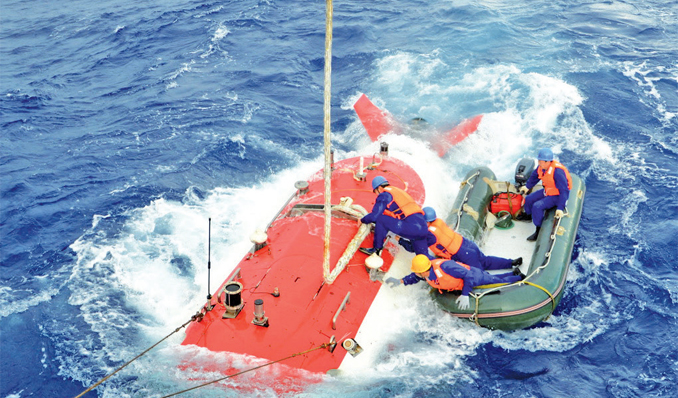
point(559, 213)
point(392, 282)
point(463, 302)
point(524, 190)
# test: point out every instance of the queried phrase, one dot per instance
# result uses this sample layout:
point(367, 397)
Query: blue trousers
point(469, 253)
point(480, 278)
point(412, 227)
point(537, 203)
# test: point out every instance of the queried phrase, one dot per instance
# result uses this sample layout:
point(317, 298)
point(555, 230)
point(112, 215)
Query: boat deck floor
point(510, 243)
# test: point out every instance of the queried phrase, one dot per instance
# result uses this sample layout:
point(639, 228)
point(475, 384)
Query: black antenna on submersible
point(209, 262)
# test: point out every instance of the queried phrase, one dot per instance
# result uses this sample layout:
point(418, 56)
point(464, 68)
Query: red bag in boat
point(500, 202)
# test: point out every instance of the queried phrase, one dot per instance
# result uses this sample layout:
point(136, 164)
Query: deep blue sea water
point(124, 125)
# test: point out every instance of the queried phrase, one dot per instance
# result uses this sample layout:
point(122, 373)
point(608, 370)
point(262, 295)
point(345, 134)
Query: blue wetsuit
point(469, 253)
point(472, 277)
point(537, 203)
point(412, 227)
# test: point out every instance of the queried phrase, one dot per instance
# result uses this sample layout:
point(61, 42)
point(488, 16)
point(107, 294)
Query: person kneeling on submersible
point(450, 275)
point(395, 211)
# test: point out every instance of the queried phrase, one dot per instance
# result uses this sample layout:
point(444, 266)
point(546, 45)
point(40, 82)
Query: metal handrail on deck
point(342, 307)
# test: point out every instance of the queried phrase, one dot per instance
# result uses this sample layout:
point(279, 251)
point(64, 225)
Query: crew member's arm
point(560, 179)
point(411, 279)
point(533, 180)
point(383, 199)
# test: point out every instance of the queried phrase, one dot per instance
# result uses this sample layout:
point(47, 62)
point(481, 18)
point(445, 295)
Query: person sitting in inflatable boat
point(448, 244)
point(450, 275)
point(395, 211)
point(557, 184)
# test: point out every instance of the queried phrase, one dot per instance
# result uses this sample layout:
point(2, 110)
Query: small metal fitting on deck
point(260, 318)
point(352, 347)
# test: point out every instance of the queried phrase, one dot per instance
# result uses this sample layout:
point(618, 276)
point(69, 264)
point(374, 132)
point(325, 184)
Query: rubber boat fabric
point(528, 302)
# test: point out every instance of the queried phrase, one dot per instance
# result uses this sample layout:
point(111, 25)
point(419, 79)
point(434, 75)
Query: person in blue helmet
point(557, 183)
point(446, 243)
point(395, 211)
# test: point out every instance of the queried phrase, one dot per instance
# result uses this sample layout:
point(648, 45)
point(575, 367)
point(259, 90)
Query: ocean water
point(125, 125)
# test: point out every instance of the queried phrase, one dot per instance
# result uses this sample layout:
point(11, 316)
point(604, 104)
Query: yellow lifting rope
point(553, 300)
point(496, 286)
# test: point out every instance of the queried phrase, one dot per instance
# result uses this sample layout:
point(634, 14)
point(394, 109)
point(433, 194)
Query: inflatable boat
point(545, 261)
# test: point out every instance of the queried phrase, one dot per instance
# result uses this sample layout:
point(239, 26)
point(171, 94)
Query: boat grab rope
point(499, 286)
point(198, 315)
point(463, 206)
point(324, 345)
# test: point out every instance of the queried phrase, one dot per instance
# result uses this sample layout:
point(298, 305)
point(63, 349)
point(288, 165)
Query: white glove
point(559, 213)
point(392, 282)
point(524, 190)
point(463, 302)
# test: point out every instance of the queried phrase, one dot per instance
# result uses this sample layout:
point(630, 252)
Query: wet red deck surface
point(300, 318)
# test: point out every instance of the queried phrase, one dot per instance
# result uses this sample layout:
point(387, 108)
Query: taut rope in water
point(198, 315)
point(324, 345)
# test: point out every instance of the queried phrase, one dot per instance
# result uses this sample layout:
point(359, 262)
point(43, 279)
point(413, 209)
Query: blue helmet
point(429, 214)
point(378, 181)
point(545, 154)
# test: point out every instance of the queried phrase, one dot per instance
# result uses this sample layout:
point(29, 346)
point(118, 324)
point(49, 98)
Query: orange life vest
point(445, 281)
point(547, 178)
point(447, 241)
point(406, 205)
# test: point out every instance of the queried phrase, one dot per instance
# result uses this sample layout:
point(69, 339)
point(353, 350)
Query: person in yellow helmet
point(450, 275)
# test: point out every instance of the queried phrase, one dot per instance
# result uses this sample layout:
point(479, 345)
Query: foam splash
point(648, 78)
point(162, 249)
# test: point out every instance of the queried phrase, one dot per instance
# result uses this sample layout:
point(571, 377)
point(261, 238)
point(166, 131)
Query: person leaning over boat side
point(557, 184)
point(395, 211)
point(448, 244)
point(450, 275)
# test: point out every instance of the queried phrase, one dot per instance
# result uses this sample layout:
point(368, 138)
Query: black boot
point(517, 261)
point(522, 216)
point(370, 250)
point(533, 237)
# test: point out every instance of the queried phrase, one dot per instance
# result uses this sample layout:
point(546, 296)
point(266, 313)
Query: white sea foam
point(14, 301)
point(647, 78)
point(163, 247)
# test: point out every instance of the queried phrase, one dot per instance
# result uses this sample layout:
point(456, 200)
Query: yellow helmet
point(420, 263)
